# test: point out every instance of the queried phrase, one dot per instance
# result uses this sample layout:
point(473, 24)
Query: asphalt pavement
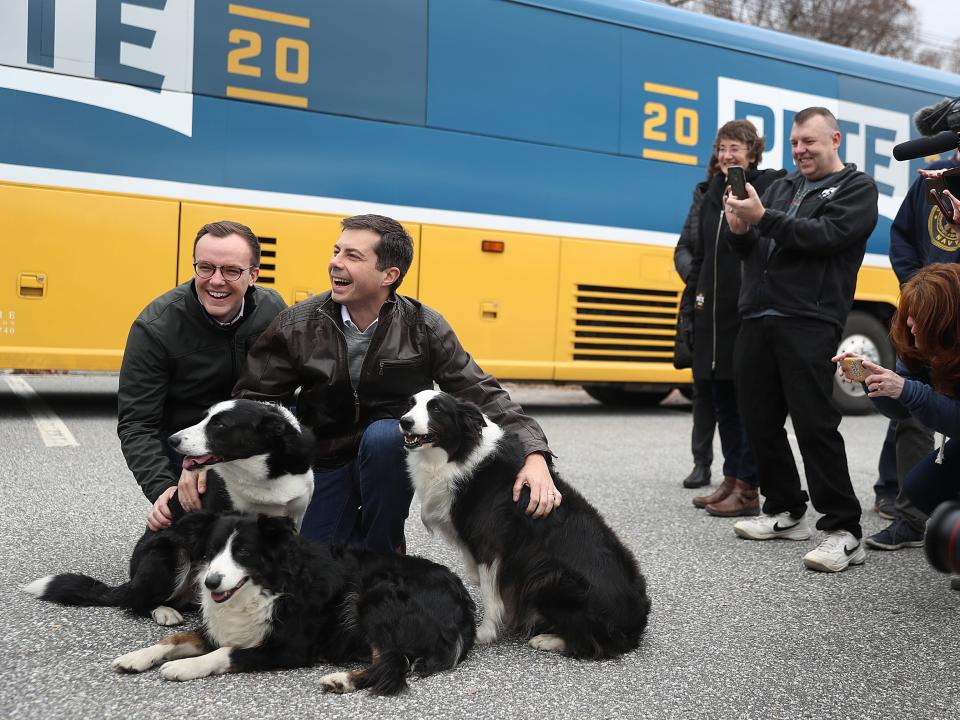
point(738, 629)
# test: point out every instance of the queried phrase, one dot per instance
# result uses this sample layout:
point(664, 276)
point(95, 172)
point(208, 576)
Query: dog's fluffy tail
point(76, 589)
point(387, 675)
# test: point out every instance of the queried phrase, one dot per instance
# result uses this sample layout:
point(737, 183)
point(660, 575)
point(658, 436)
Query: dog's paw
point(214, 663)
point(185, 669)
point(487, 633)
point(548, 643)
point(164, 615)
point(135, 662)
point(338, 682)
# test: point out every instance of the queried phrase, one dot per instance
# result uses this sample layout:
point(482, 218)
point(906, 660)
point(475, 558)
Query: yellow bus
point(542, 153)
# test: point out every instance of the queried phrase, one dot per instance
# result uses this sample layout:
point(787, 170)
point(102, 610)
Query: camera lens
point(942, 541)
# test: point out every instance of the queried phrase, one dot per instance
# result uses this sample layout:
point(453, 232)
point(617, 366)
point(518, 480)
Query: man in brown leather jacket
point(357, 353)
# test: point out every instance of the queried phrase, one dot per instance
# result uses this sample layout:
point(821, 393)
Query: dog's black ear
point(275, 530)
point(303, 443)
point(469, 418)
point(273, 426)
point(195, 528)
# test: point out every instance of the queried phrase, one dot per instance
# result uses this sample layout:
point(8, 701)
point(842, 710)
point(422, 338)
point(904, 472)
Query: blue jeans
point(366, 501)
point(930, 483)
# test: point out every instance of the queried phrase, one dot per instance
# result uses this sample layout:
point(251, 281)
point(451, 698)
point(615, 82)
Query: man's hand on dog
point(193, 483)
point(544, 496)
point(159, 517)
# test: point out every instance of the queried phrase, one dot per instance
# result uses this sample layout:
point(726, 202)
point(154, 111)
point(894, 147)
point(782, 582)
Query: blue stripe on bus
point(259, 147)
point(768, 43)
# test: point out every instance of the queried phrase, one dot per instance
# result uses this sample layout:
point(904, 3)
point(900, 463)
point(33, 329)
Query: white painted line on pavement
point(52, 429)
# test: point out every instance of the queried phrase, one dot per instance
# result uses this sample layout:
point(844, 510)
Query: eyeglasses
point(205, 270)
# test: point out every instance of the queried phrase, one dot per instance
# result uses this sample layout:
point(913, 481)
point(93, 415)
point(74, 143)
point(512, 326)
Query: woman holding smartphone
point(926, 335)
point(712, 290)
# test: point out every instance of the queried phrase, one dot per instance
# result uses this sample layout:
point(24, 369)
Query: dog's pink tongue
point(195, 460)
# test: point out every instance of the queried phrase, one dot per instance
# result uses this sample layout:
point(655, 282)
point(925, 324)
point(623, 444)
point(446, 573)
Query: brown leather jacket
point(412, 347)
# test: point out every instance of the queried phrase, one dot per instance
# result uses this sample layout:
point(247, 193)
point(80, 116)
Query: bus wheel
point(866, 336)
point(617, 396)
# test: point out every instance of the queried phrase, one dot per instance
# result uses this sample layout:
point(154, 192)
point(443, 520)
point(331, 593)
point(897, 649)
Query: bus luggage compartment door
point(499, 292)
point(78, 267)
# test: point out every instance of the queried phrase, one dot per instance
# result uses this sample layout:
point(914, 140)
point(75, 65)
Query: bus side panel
point(295, 247)
point(78, 267)
point(502, 305)
point(877, 284)
point(617, 313)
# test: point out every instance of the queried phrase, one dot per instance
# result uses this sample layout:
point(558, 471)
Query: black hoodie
point(812, 270)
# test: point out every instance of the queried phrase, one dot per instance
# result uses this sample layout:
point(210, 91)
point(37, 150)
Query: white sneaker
point(770, 527)
point(836, 553)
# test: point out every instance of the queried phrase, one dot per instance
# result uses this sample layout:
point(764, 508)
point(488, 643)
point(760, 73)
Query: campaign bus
point(542, 154)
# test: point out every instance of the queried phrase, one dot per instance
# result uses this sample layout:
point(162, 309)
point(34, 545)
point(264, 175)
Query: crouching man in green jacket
point(184, 353)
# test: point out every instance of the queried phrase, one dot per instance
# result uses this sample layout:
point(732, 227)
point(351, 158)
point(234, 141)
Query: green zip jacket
point(178, 362)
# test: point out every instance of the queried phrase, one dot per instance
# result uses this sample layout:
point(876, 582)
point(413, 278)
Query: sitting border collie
point(565, 581)
point(260, 462)
point(271, 599)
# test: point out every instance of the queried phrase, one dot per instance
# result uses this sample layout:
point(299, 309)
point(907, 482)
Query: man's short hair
point(225, 228)
point(801, 117)
point(395, 248)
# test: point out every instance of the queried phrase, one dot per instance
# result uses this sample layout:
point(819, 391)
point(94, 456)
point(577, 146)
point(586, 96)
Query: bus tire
point(864, 335)
point(617, 396)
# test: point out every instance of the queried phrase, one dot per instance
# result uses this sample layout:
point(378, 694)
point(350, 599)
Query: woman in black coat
point(712, 290)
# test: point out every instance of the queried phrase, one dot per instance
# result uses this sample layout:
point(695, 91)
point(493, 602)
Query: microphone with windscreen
point(944, 115)
point(922, 147)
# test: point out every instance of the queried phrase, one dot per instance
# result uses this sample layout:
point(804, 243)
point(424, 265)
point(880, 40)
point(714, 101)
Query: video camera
point(942, 541)
point(940, 126)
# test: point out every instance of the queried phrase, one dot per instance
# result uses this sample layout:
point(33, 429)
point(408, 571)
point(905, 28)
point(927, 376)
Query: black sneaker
point(885, 507)
point(896, 536)
point(698, 477)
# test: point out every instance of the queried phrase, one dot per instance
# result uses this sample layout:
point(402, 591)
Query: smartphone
point(853, 369)
point(737, 181)
point(946, 207)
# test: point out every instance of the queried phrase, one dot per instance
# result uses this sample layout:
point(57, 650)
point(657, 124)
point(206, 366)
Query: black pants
point(783, 366)
point(737, 458)
point(704, 424)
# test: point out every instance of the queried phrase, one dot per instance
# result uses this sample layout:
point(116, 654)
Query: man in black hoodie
point(801, 247)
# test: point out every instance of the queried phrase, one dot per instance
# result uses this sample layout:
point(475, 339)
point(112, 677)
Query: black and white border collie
point(259, 461)
point(271, 599)
point(565, 581)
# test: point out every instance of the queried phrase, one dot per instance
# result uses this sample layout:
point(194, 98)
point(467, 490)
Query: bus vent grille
point(268, 261)
point(623, 324)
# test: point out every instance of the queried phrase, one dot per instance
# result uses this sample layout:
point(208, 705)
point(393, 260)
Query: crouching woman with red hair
point(926, 336)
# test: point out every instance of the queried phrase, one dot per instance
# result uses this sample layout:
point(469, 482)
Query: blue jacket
point(919, 236)
point(918, 399)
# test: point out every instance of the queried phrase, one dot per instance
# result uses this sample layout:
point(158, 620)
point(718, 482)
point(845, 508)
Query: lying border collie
point(259, 459)
point(565, 581)
point(271, 599)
